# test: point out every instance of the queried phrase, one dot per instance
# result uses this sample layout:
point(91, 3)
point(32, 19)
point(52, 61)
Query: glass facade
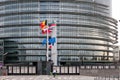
point(85, 30)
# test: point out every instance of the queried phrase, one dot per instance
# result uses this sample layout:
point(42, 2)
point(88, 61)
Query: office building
point(86, 31)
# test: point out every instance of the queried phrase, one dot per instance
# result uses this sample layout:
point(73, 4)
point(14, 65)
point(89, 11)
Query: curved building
point(85, 30)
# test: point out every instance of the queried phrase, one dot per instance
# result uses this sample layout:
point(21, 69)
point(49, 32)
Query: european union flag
point(51, 40)
point(44, 41)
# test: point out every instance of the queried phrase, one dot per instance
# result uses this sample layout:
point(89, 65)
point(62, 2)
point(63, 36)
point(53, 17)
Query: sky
point(116, 15)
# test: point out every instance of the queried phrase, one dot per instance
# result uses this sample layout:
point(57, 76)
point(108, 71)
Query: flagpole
point(47, 43)
point(54, 48)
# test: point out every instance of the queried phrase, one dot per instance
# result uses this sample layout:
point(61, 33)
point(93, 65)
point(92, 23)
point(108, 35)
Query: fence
point(117, 77)
point(99, 67)
point(39, 68)
point(67, 70)
point(21, 70)
point(42, 69)
point(77, 70)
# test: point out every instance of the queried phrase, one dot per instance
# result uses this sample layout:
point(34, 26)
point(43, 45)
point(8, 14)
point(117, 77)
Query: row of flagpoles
point(50, 40)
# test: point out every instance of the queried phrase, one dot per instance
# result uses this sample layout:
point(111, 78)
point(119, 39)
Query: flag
point(51, 41)
point(44, 27)
point(50, 46)
point(43, 24)
point(44, 41)
point(52, 26)
point(45, 31)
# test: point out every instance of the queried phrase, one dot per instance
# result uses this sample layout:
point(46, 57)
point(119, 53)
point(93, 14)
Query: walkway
point(47, 77)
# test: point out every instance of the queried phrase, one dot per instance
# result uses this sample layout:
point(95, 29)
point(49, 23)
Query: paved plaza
point(47, 77)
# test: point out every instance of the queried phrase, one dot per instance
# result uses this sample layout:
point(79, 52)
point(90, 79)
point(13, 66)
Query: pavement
point(47, 77)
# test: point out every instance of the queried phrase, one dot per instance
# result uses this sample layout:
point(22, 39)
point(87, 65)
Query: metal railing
point(108, 77)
